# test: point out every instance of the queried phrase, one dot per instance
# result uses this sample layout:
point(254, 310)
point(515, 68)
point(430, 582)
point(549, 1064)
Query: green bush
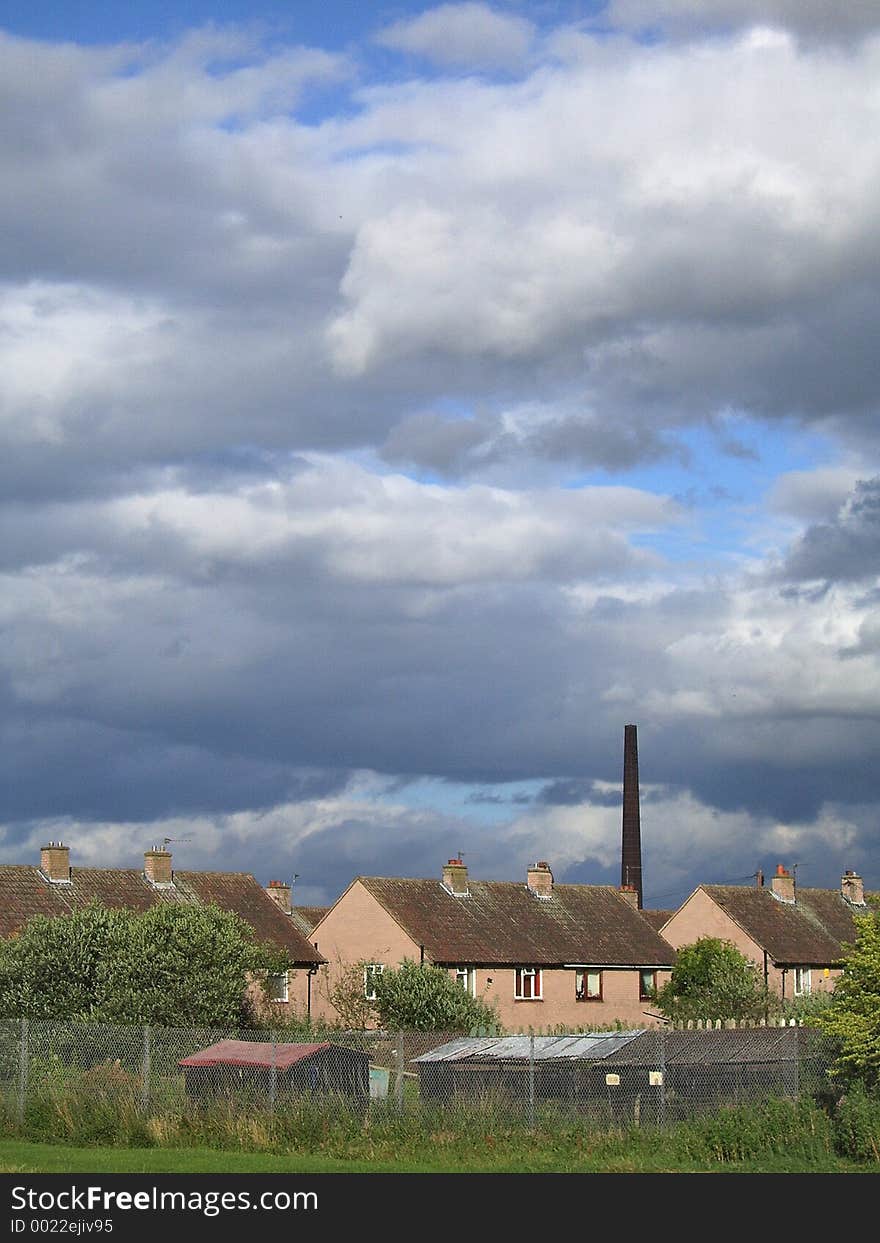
point(857, 1125)
point(417, 997)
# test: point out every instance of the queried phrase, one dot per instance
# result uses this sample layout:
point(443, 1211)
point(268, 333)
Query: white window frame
point(279, 986)
point(371, 969)
point(467, 978)
point(520, 975)
point(581, 980)
point(803, 981)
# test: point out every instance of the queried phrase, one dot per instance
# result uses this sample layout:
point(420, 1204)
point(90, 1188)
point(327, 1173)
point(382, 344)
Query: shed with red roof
point(268, 1071)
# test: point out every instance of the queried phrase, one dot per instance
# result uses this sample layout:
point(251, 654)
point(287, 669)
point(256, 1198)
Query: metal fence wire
point(647, 1077)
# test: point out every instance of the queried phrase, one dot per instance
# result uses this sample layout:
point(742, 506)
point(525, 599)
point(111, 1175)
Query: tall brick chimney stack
point(55, 863)
point(631, 848)
point(157, 866)
point(539, 879)
point(455, 878)
point(279, 892)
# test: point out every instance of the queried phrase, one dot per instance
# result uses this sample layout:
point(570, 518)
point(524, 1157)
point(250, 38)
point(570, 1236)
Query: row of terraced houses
point(545, 954)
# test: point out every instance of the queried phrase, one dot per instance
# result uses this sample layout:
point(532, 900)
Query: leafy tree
point(852, 1019)
point(344, 989)
point(171, 965)
point(426, 998)
point(57, 967)
point(711, 979)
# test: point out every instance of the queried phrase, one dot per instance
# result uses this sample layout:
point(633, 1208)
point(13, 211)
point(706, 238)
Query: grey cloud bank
point(333, 450)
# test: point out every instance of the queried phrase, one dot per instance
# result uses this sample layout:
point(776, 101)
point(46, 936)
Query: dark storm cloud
point(216, 325)
point(816, 21)
point(53, 766)
point(571, 792)
point(462, 447)
point(846, 549)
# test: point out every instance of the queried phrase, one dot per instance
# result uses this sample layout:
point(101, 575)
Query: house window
point(803, 981)
point(277, 987)
point(528, 984)
point(467, 978)
point(371, 970)
point(588, 985)
point(647, 985)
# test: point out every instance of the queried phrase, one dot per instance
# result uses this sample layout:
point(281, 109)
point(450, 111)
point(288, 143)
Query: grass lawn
point(18, 1157)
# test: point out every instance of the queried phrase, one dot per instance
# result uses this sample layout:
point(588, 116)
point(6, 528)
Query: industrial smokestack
point(631, 849)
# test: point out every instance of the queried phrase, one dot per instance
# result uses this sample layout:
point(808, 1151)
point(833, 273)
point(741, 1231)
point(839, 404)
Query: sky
point(398, 400)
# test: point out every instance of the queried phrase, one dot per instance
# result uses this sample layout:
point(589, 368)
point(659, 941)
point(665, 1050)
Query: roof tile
point(25, 892)
point(504, 922)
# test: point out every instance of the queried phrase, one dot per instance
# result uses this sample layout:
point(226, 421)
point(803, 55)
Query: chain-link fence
point(651, 1077)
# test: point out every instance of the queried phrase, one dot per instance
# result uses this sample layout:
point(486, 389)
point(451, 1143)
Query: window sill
point(527, 999)
point(588, 999)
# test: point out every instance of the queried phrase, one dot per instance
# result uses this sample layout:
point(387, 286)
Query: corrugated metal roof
point(503, 922)
point(585, 1045)
point(643, 1047)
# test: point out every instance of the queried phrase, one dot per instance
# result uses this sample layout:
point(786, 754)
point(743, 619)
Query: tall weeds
point(774, 1128)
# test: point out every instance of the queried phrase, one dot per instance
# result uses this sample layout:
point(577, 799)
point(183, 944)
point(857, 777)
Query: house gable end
point(358, 927)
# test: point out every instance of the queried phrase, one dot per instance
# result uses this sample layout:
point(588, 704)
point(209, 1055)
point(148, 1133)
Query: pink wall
point(620, 1000)
point(358, 928)
point(701, 916)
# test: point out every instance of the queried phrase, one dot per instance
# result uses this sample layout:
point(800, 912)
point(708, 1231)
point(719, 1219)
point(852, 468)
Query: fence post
point(398, 1078)
point(532, 1081)
point(22, 1069)
point(273, 1076)
point(797, 1068)
point(662, 1076)
point(145, 1069)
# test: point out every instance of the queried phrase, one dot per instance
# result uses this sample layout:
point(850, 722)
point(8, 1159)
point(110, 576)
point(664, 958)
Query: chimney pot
point(157, 866)
point(55, 863)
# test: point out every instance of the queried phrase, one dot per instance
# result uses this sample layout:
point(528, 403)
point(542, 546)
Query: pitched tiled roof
point(656, 918)
point(813, 929)
point(306, 917)
point(504, 922)
point(25, 892)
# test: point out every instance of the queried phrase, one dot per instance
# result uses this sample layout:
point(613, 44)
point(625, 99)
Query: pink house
point(795, 935)
point(57, 888)
point(544, 954)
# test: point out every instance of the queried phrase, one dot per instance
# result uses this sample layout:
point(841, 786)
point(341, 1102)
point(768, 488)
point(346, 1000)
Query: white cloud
point(365, 528)
point(467, 35)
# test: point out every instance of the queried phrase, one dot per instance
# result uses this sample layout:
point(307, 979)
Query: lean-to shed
point(263, 1070)
point(624, 1072)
